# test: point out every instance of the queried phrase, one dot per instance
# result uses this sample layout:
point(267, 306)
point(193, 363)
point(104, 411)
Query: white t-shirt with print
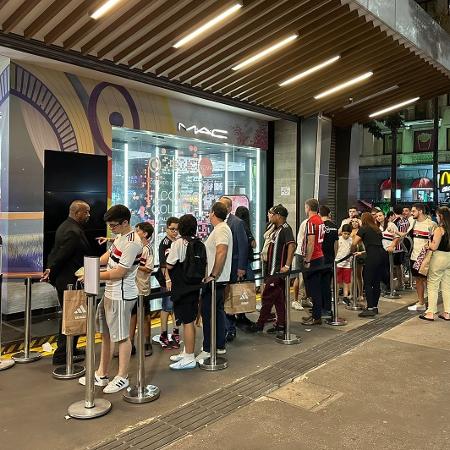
point(177, 252)
point(143, 278)
point(389, 234)
point(344, 248)
point(300, 237)
point(220, 235)
point(421, 232)
point(126, 252)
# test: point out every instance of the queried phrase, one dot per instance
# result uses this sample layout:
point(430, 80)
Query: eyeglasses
point(172, 229)
point(114, 225)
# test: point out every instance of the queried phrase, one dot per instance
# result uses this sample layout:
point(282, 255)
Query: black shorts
point(398, 258)
point(146, 306)
point(415, 273)
point(186, 307)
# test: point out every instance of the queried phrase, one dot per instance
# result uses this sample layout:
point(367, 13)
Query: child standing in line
point(344, 268)
point(146, 263)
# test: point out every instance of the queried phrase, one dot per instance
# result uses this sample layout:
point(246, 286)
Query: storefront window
point(158, 176)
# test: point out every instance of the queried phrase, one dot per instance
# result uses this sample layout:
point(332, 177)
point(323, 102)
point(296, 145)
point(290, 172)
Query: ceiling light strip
point(109, 4)
point(309, 71)
point(394, 107)
point(370, 97)
point(211, 23)
point(343, 86)
point(262, 54)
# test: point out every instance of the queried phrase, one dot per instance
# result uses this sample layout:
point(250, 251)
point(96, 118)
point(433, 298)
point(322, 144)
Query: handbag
point(422, 265)
point(240, 297)
point(74, 318)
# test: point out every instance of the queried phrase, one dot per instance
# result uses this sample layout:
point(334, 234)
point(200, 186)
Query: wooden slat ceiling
point(139, 35)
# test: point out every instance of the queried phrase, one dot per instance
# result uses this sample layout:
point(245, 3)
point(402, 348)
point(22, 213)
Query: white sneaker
point(417, 307)
point(177, 357)
point(221, 351)
point(202, 356)
point(116, 385)
point(98, 380)
point(184, 364)
point(297, 306)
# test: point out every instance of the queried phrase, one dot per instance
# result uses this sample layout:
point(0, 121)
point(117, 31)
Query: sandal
point(424, 317)
point(443, 317)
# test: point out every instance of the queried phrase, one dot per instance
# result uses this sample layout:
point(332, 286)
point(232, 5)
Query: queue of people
point(187, 266)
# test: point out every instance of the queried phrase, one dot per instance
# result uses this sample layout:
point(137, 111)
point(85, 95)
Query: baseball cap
point(280, 210)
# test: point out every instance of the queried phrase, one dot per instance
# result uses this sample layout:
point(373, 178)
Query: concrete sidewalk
point(34, 404)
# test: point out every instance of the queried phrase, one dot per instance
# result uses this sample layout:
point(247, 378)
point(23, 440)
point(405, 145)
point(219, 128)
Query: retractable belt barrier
point(335, 320)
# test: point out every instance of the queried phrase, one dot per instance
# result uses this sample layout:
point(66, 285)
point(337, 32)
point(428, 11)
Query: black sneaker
point(326, 314)
point(368, 313)
point(276, 329)
point(231, 335)
point(61, 361)
point(309, 321)
point(133, 349)
point(148, 349)
point(346, 301)
point(254, 328)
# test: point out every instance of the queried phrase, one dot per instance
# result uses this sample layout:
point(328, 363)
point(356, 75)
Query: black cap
point(280, 210)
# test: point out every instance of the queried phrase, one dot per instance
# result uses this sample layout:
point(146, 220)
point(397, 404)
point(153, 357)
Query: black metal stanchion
point(392, 292)
point(141, 393)
point(70, 370)
point(26, 356)
point(89, 408)
point(214, 362)
point(409, 286)
point(335, 320)
point(4, 363)
point(287, 338)
point(354, 304)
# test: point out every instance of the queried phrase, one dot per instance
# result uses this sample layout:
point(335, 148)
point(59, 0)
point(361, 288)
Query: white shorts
point(113, 317)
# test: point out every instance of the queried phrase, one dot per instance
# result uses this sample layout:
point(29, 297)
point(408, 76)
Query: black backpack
point(194, 265)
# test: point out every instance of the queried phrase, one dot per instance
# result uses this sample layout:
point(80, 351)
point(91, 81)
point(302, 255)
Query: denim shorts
point(167, 304)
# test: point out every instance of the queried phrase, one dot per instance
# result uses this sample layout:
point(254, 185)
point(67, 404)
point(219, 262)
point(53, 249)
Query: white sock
point(189, 356)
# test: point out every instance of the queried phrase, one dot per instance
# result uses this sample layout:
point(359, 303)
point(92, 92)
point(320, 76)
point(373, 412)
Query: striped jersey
point(143, 278)
point(281, 238)
point(402, 225)
point(421, 233)
point(389, 234)
point(126, 251)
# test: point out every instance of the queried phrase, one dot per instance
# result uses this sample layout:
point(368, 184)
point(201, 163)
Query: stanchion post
point(354, 305)
point(287, 338)
point(335, 320)
point(70, 370)
point(26, 356)
point(214, 362)
point(409, 286)
point(4, 363)
point(141, 393)
point(392, 292)
point(89, 408)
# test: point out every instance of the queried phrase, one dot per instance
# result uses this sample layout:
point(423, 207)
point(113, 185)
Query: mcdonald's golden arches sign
point(444, 181)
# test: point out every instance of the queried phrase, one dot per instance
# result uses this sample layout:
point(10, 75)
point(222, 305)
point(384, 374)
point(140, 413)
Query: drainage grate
point(170, 427)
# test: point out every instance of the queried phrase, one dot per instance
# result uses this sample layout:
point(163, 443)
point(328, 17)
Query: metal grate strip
point(189, 418)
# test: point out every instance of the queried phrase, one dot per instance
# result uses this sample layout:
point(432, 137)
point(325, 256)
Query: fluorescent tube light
point(104, 9)
point(393, 107)
point(342, 86)
point(310, 71)
point(205, 27)
point(369, 97)
point(266, 52)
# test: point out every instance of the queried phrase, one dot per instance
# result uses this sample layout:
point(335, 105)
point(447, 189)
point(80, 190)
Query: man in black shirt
point(66, 257)
point(329, 248)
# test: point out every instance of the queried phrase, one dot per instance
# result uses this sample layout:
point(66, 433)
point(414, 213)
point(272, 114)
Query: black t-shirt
point(330, 237)
point(278, 248)
point(370, 237)
point(250, 239)
point(163, 252)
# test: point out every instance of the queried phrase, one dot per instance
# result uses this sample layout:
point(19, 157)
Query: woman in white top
point(390, 240)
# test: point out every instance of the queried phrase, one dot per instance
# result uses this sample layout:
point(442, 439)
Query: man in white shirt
point(121, 292)
point(299, 284)
point(352, 214)
point(219, 251)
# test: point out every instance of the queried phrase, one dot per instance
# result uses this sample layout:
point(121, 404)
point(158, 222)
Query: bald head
point(79, 210)
point(227, 202)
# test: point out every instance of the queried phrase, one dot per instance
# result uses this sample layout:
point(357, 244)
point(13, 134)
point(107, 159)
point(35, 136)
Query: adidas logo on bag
point(244, 298)
point(80, 312)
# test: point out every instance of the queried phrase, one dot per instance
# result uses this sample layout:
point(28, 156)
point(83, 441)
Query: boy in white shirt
point(114, 310)
point(344, 268)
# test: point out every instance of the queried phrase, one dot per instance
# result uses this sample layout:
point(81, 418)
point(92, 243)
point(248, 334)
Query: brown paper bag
point(240, 297)
point(74, 313)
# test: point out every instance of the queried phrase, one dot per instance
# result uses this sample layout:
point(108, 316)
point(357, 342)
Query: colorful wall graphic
point(44, 109)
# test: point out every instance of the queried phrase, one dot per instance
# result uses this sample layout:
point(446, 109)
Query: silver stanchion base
point(221, 363)
point(292, 339)
point(147, 394)
point(6, 364)
point(336, 323)
point(21, 358)
point(60, 372)
point(78, 410)
point(392, 295)
point(354, 308)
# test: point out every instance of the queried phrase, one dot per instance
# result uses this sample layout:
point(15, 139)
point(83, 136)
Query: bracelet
point(287, 267)
point(213, 276)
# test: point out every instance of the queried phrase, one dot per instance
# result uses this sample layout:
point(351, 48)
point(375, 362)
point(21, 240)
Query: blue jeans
point(220, 316)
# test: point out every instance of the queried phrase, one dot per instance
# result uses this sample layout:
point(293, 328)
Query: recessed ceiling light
point(262, 54)
point(310, 71)
point(370, 97)
point(206, 26)
point(99, 12)
point(393, 107)
point(342, 86)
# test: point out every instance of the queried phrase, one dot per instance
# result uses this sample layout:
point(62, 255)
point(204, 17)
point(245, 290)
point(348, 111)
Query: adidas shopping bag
point(240, 297)
point(74, 313)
